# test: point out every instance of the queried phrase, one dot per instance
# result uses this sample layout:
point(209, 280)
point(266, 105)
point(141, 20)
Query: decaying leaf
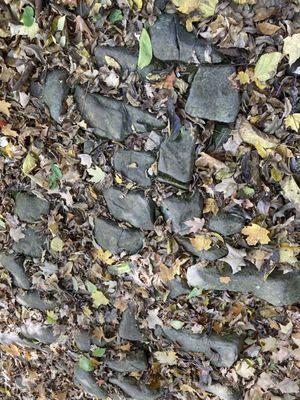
point(256, 234)
point(268, 29)
point(57, 244)
point(4, 108)
point(29, 164)
point(244, 369)
point(206, 8)
point(105, 256)
point(99, 299)
point(291, 47)
point(166, 357)
point(291, 190)
point(292, 121)
point(97, 174)
point(201, 242)
point(266, 66)
point(235, 258)
point(195, 225)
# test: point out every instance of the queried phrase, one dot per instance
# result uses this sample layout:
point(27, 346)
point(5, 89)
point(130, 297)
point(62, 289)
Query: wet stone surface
point(213, 254)
point(116, 239)
point(224, 105)
point(134, 165)
point(88, 383)
point(33, 299)
point(55, 92)
point(14, 265)
point(135, 390)
point(182, 45)
point(279, 289)
point(135, 361)
point(30, 208)
point(126, 58)
point(176, 158)
point(32, 245)
point(180, 209)
point(226, 223)
point(118, 119)
point(129, 328)
point(132, 207)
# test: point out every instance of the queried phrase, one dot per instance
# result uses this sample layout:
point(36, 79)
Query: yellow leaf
point(276, 174)
point(291, 190)
point(288, 256)
point(201, 242)
point(4, 108)
point(57, 244)
point(51, 317)
point(99, 299)
point(256, 234)
point(292, 121)
point(291, 47)
point(245, 1)
point(111, 62)
point(225, 279)
point(137, 3)
point(266, 66)
point(105, 256)
point(166, 273)
point(206, 8)
point(7, 131)
point(166, 357)
point(251, 136)
point(118, 179)
point(243, 77)
point(29, 164)
point(210, 205)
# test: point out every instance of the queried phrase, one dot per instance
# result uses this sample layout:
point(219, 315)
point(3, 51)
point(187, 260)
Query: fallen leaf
point(292, 121)
point(166, 357)
point(235, 258)
point(268, 344)
point(153, 319)
point(227, 186)
point(201, 242)
point(244, 370)
point(252, 136)
point(97, 174)
point(166, 273)
point(85, 159)
point(57, 244)
point(291, 191)
point(145, 50)
point(206, 8)
point(195, 225)
point(176, 324)
point(138, 3)
point(29, 164)
point(287, 386)
point(267, 29)
point(4, 107)
point(243, 77)
point(105, 256)
point(291, 47)
point(86, 364)
point(256, 234)
point(16, 233)
point(99, 299)
point(266, 67)
point(205, 160)
point(265, 381)
point(111, 62)
point(225, 279)
point(210, 205)
point(7, 131)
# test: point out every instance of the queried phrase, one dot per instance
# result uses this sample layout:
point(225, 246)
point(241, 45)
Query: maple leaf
point(166, 357)
point(256, 234)
point(4, 108)
point(195, 224)
point(235, 258)
point(201, 242)
point(105, 256)
point(99, 299)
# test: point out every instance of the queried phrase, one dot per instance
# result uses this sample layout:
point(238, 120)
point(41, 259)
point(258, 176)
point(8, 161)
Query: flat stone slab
point(177, 288)
point(112, 237)
point(212, 95)
point(33, 299)
point(226, 223)
point(134, 165)
point(14, 265)
point(132, 207)
point(127, 58)
point(182, 209)
point(213, 254)
point(82, 340)
point(32, 245)
point(176, 157)
point(55, 92)
point(181, 45)
point(279, 289)
point(88, 383)
point(44, 334)
point(136, 390)
point(30, 208)
point(222, 351)
point(113, 119)
point(129, 328)
point(135, 361)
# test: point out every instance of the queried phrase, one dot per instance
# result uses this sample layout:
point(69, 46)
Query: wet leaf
point(99, 352)
point(29, 164)
point(201, 242)
point(145, 50)
point(291, 47)
point(256, 234)
point(266, 66)
point(86, 364)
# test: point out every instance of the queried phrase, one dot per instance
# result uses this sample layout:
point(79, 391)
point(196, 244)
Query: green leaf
point(55, 177)
point(115, 16)
point(99, 352)
point(119, 269)
point(90, 287)
point(176, 324)
point(85, 364)
point(145, 52)
point(266, 66)
point(28, 16)
point(56, 171)
point(194, 293)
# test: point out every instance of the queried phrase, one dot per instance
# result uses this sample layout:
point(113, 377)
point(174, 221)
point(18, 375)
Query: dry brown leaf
point(267, 29)
point(4, 107)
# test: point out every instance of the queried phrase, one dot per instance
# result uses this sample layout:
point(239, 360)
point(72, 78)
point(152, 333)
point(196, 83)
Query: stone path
point(132, 213)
